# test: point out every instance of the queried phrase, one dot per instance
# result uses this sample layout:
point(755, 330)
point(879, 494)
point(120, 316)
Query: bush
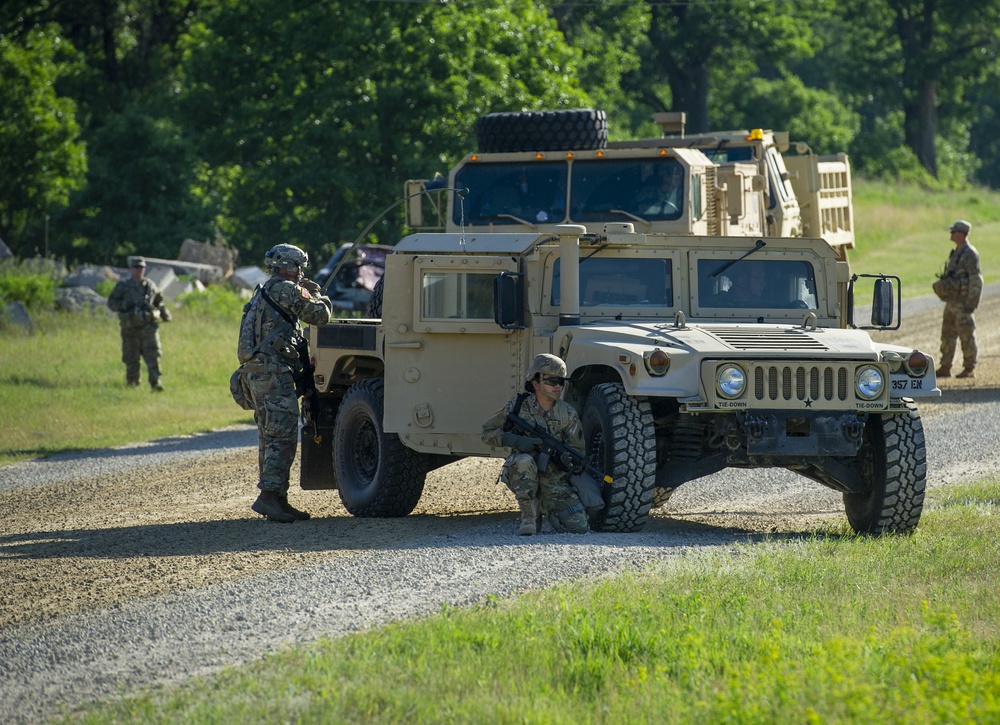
point(217, 300)
point(32, 282)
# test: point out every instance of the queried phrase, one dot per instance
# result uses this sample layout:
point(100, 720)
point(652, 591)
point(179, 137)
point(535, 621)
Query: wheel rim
point(365, 453)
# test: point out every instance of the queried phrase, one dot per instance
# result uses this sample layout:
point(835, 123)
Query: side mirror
point(886, 310)
point(508, 301)
point(882, 303)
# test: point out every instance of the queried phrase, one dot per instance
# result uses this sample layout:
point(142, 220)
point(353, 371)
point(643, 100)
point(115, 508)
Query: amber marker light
point(916, 364)
point(657, 362)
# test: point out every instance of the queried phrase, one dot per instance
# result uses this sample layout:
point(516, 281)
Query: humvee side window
point(756, 283)
point(620, 282)
point(533, 192)
point(457, 295)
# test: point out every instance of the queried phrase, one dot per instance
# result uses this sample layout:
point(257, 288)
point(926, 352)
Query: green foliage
point(835, 628)
point(43, 158)
point(315, 143)
point(31, 282)
point(217, 300)
point(140, 195)
point(65, 384)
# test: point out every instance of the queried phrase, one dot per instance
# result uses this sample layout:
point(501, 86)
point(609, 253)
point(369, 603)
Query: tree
point(696, 46)
point(43, 158)
point(315, 137)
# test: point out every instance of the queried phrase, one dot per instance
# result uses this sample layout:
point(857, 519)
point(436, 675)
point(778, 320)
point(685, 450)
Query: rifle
point(305, 387)
point(552, 449)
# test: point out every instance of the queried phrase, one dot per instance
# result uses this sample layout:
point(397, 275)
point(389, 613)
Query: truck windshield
point(757, 283)
point(651, 189)
point(619, 282)
point(534, 192)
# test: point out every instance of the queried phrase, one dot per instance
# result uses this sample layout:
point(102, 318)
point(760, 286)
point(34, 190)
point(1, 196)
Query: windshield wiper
point(756, 248)
point(630, 215)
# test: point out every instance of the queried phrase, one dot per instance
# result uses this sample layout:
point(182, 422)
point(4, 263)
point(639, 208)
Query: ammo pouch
point(239, 390)
point(947, 288)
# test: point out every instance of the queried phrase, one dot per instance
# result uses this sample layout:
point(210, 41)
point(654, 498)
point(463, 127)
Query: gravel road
point(144, 565)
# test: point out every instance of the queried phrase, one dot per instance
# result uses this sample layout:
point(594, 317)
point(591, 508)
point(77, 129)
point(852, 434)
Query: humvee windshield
point(601, 190)
point(755, 283)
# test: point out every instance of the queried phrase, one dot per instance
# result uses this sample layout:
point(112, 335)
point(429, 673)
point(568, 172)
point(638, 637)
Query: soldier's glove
point(523, 444)
point(313, 288)
point(165, 315)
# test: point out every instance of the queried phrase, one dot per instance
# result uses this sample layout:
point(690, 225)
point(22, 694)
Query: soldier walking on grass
point(270, 362)
point(547, 491)
point(140, 309)
point(960, 287)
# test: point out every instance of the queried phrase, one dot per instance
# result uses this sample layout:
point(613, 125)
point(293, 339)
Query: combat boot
point(529, 517)
point(289, 509)
point(967, 373)
point(268, 504)
point(944, 371)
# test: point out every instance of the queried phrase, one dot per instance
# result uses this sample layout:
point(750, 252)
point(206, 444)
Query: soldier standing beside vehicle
point(960, 287)
point(548, 491)
point(268, 350)
point(140, 309)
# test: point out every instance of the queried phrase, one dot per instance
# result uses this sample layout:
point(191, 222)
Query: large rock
point(247, 278)
point(204, 273)
point(91, 276)
point(211, 254)
point(79, 298)
point(17, 314)
point(5, 252)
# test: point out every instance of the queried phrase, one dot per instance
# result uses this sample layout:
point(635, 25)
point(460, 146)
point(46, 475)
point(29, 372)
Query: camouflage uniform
point(269, 375)
point(962, 290)
point(140, 309)
point(520, 471)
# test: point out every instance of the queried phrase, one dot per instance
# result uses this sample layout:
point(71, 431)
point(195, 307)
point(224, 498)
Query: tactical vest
point(250, 341)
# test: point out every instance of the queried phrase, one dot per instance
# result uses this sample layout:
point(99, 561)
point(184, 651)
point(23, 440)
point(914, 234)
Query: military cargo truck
point(688, 353)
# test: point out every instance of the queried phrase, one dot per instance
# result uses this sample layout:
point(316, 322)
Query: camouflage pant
point(553, 491)
point(276, 411)
point(141, 342)
point(960, 325)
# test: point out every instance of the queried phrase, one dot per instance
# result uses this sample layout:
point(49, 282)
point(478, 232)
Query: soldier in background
point(960, 287)
point(549, 491)
point(140, 309)
point(268, 351)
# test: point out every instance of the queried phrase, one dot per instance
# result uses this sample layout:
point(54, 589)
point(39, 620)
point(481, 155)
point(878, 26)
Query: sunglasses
point(554, 381)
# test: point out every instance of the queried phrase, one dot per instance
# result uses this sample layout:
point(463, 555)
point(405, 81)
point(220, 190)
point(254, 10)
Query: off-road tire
point(374, 309)
point(619, 438)
point(893, 460)
point(580, 129)
point(377, 475)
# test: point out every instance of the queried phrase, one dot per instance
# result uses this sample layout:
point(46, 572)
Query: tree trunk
point(927, 126)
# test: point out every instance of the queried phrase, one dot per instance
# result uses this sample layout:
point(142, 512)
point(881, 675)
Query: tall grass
point(902, 230)
point(63, 388)
point(836, 628)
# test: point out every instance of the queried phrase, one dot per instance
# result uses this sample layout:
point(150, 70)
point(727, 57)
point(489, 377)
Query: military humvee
point(675, 372)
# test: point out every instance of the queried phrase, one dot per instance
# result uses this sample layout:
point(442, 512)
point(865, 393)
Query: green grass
point(832, 629)
point(902, 230)
point(63, 388)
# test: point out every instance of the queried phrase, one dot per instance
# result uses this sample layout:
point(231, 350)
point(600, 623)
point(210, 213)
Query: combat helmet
point(546, 364)
point(287, 257)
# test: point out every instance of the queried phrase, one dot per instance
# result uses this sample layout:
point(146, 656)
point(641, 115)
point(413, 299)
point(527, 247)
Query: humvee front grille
point(787, 382)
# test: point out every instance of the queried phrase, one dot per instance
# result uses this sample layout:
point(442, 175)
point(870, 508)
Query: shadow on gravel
point(237, 437)
point(343, 534)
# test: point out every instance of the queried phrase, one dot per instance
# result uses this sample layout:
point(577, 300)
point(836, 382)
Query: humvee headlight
point(917, 364)
point(731, 381)
point(869, 382)
point(657, 362)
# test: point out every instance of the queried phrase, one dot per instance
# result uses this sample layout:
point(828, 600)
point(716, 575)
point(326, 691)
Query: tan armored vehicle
point(697, 287)
point(687, 354)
